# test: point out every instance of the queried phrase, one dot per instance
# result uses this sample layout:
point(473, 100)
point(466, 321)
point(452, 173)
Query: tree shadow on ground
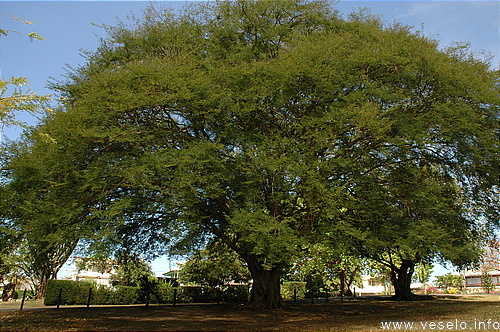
point(334, 315)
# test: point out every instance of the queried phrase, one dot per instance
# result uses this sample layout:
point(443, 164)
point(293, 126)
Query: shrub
point(77, 292)
point(198, 294)
point(30, 295)
point(237, 293)
point(289, 288)
point(452, 290)
point(125, 295)
point(72, 292)
point(163, 293)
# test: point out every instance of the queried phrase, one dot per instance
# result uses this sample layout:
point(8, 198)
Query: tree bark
point(265, 291)
point(345, 285)
point(46, 274)
point(41, 287)
point(8, 291)
point(401, 280)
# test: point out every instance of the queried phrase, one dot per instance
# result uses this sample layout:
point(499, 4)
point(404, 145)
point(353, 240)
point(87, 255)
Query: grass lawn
point(470, 312)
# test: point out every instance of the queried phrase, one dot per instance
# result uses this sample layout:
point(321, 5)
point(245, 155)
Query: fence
point(67, 292)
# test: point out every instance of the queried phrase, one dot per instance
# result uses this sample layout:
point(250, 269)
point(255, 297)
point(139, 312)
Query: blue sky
point(67, 28)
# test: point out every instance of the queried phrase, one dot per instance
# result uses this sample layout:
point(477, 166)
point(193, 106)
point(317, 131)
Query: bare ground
point(352, 315)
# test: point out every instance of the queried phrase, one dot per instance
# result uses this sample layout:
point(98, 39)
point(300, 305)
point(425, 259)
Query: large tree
point(271, 124)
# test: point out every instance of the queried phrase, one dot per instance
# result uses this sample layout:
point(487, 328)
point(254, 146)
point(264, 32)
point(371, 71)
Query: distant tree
point(487, 282)
point(215, 266)
point(322, 265)
point(423, 272)
point(449, 280)
point(132, 270)
point(11, 273)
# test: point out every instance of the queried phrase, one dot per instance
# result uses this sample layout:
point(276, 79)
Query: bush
point(237, 294)
point(163, 293)
point(126, 295)
point(30, 295)
point(451, 290)
point(288, 290)
point(70, 292)
point(199, 294)
point(77, 292)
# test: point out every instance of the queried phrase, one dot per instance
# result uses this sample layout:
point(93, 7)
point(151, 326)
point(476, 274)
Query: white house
point(474, 281)
point(372, 285)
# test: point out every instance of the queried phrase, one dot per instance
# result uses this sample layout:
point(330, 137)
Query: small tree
point(423, 273)
point(132, 270)
point(215, 266)
point(487, 282)
point(449, 280)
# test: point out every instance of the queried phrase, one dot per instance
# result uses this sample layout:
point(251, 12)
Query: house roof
point(472, 274)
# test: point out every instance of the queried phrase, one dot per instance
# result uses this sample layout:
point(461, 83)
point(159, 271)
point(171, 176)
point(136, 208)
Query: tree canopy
point(271, 125)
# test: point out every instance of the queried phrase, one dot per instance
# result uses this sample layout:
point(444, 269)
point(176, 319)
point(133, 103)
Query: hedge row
point(77, 292)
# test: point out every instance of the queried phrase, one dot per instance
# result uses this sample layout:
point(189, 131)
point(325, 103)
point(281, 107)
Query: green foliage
point(270, 125)
point(290, 289)
point(423, 272)
point(215, 265)
point(18, 100)
point(31, 35)
point(325, 265)
point(199, 294)
point(77, 292)
point(487, 282)
point(449, 281)
point(163, 293)
point(132, 271)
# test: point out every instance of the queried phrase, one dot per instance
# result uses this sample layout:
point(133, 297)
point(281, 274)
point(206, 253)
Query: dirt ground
point(352, 315)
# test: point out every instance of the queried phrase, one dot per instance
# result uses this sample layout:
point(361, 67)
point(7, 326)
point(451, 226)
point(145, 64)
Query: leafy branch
point(31, 35)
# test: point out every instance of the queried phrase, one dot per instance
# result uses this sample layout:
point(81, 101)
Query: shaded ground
point(334, 315)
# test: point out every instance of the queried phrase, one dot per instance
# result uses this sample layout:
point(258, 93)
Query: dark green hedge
point(77, 292)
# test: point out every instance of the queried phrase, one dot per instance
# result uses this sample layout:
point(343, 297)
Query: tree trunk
point(8, 291)
point(401, 280)
point(345, 285)
point(45, 275)
point(41, 287)
point(265, 291)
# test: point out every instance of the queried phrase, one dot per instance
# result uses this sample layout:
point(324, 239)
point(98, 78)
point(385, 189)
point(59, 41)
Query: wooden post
point(312, 295)
point(90, 296)
point(295, 295)
point(175, 296)
point(326, 294)
point(59, 298)
point(22, 302)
